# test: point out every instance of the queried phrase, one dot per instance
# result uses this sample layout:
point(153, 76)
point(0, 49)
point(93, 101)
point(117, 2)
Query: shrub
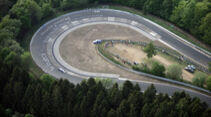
point(158, 69)
point(174, 72)
point(209, 83)
point(209, 66)
point(199, 79)
point(142, 68)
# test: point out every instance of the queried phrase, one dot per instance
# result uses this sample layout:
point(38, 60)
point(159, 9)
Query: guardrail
point(156, 77)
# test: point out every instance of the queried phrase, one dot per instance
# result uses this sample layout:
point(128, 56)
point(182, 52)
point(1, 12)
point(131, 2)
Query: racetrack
point(46, 41)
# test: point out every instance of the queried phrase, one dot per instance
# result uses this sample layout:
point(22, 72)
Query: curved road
point(42, 44)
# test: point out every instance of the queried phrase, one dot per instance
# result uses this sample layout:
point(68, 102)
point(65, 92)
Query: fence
point(174, 54)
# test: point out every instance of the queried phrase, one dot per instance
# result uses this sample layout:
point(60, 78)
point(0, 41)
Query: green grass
point(160, 22)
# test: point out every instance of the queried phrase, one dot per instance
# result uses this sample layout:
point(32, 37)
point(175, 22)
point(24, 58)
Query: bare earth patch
point(128, 52)
point(136, 54)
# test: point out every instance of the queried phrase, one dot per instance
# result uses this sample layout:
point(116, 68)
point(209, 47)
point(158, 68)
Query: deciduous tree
point(150, 50)
point(205, 28)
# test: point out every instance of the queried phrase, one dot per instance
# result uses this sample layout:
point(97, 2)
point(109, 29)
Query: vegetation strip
point(107, 56)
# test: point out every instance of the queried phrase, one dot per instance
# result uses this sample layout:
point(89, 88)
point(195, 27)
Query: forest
point(47, 97)
point(23, 94)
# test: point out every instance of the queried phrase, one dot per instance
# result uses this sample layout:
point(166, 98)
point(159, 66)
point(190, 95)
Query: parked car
point(97, 41)
point(135, 63)
point(190, 68)
point(62, 70)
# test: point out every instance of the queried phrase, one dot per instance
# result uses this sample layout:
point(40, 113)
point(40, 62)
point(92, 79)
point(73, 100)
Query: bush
point(158, 69)
point(199, 79)
point(135, 67)
point(209, 66)
point(209, 83)
point(47, 80)
point(141, 68)
point(174, 72)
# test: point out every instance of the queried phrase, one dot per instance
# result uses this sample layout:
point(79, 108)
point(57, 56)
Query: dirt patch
point(128, 52)
point(136, 54)
point(78, 51)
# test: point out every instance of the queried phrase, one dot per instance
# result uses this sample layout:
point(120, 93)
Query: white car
point(97, 41)
point(62, 70)
point(190, 68)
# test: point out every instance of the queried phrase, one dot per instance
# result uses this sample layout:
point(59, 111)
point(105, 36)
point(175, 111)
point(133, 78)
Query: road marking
point(123, 20)
point(111, 19)
point(153, 33)
point(75, 22)
point(96, 11)
point(65, 27)
point(50, 40)
point(122, 79)
point(85, 19)
point(134, 23)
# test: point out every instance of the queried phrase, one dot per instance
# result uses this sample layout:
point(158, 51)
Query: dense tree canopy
point(28, 11)
point(4, 7)
point(90, 99)
point(10, 26)
point(205, 28)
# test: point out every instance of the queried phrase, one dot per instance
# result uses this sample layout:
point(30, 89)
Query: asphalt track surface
point(43, 41)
